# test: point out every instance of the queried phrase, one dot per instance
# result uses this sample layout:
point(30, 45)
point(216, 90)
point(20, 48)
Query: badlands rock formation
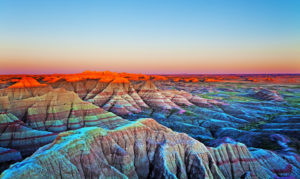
point(116, 95)
point(153, 97)
point(7, 155)
point(269, 95)
point(60, 110)
point(27, 124)
point(142, 149)
point(25, 88)
point(90, 142)
point(27, 82)
point(14, 134)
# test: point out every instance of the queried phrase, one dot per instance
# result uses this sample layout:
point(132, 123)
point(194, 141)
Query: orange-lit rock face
point(176, 79)
point(194, 80)
point(106, 79)
point(51, 79)
point(156, 77)
point(134, 77)
point(212, 80)
point(27, 82)
point(105, 76)
point(108, 76)
point(15, 80)
point(252, 79)
point(120, 80)
point(73, 78)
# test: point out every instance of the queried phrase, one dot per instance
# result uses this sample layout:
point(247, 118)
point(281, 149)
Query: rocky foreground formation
point(29, 123)
point(60, 110)
point(143, 149)
point(17, 141)
point(16, 135)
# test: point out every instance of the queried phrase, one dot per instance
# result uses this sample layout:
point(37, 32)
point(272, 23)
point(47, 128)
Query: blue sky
point(182, 36)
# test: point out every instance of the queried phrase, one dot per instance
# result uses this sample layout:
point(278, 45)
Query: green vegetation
point(190, 113)
point(210, 96)
point(252, 125)
point(293, 100)
point(256, 125)
point(230, 96)
point(172, 111)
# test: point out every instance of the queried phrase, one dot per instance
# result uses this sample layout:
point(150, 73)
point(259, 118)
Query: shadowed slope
point(16, 135)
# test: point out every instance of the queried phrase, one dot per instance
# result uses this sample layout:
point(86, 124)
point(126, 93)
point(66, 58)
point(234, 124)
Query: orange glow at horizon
point(149, 66)
point(45, 60)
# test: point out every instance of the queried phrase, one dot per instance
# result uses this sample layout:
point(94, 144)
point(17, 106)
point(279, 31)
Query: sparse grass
point(209, 96)
point(256, 125)
point(190, 113)
point(252, 125)
point(241, 99)
point(231, 96)
point(293, 100)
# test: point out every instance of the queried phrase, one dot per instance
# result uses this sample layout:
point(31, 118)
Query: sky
point(150, 36)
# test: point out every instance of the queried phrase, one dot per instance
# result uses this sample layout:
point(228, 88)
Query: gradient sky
point(150, 36)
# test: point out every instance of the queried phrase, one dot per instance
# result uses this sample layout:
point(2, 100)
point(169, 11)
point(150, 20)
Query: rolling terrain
point(106, 124)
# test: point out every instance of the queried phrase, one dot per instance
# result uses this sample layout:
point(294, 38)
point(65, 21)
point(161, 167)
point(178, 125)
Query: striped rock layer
point(141, 149)
point(27, 124)
point(60, 110)
point(280, 164)
point(15, 134)
point(82, 88)
point(114, 94)
point(7, 155)
point(119, 96)
point(183, 98)
point(153, 96)
point(268, 95)
point(235, 161)
point(25, 88)
point(23, 93)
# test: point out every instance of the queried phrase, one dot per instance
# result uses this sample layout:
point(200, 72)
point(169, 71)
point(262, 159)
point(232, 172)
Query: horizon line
point(162, 74)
